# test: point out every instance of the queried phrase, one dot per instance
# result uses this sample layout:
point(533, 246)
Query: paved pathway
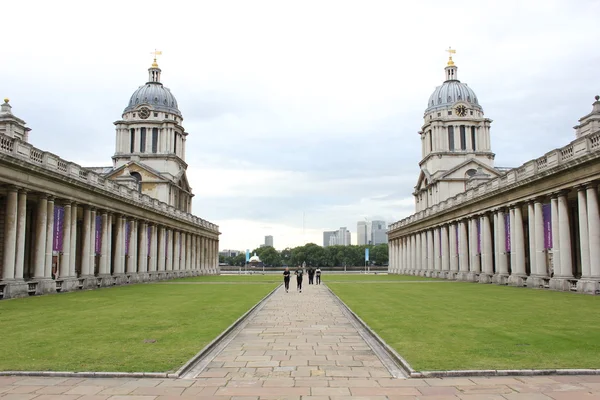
point(300, 346)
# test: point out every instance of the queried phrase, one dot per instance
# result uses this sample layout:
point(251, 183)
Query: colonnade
point(52, 244)
point(550, 241)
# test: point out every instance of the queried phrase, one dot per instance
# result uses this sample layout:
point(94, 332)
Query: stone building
point(536, 225)
point(65, 227)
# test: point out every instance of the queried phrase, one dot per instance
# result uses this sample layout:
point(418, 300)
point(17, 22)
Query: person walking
point(318, 274)
point(286, 279)
point(311, 275)
point(299, 274)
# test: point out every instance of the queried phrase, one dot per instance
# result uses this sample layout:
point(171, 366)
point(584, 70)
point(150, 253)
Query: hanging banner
point(247, 255)
point(547, 215)
point(98, 235)
point(507, 231)
point(478, 235)
point(367, 254)
point(127, 234)
point(59, 226)
point(149, 238)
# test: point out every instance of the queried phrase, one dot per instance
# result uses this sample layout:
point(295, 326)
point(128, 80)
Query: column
point(437, 261)
point(65, 258)
point(474, 245)
point(161, 249)
point(418, 252)
point(541, 267)
point(445, 249)
point(594, 230)
point(584, 238)
point(21, 226)
point(10, 234)
point(73, 246)
point(92, 253)
point(501, 256)
point(188, 253)
point(453, 249)
point(143, 248)
point(170, 248)
point(118, 253)
point(511, 230)
point(463, 255)
point(183, 238)
point(486, 256)
point(132, 263)
point(177, 250)
point(555, 236)
point(49, 237)
point(41, 222)
point(532, 232)
point(153, 247)
point(193, 252)
point(85, 251)
point(564, 233)
point(104, 256)
point(430, 251)
point(424, 255)
point(519, 243)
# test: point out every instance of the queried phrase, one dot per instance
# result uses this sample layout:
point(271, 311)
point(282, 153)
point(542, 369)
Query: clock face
point(461, 111)
point(144, 112)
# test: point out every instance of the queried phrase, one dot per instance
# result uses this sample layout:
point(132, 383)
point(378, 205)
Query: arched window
point(138, 178)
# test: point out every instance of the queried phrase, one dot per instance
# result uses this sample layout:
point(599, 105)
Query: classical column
point(49, 237)
point(555, 236)
point(564, 232)
point(519, 242)
point(10, 234)
point(104, 256)
point(474, 267)
point(65, 259)
point(133, 247)
point(511, 230)
point(463, 255)
point(584, 238)
point(170, 248)
point(143, 248)
point(189, 256)
point(85, 251)
point(532, 231)
point(500, 239)
point(437, 261)
point(486, 254)
point(594, 230)
point(176, 250)
point(429, 250)
point(424, 255)
point(92, 254)
point(118, 253)
point(73, 246)
point(184, 260)
point(453, 250)
point(161, 248)
point(445, 249)
point(21, 226)
point(541, 267)
point(41, 222)
point(418, 252)
point(154, 247)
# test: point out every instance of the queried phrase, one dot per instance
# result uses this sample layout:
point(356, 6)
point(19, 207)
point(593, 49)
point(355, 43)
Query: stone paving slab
point(301, 346)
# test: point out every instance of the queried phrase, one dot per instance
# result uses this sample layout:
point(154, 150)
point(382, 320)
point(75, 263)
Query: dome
point(449, 93)
point(254, 258)
point(155, 95)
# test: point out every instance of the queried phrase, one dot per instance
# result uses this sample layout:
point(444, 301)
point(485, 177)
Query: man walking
point(318, 273)
point(299, 274)
point(311, 275)
point(286, 279)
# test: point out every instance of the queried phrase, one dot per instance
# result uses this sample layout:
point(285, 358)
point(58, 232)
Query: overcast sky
point(302, 115)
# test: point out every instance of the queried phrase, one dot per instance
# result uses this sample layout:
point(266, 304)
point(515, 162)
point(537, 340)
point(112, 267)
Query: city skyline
point(321, 133)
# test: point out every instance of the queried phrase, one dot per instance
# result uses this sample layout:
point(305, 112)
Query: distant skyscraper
point(361, 233)
point(327, 236)
point(269, 240)
point(378, 232)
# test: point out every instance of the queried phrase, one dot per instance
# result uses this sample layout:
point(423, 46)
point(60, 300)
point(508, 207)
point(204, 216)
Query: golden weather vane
point(450, 52)
point(156, 53)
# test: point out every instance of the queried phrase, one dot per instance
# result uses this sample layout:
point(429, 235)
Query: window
point(471, 112)
point(449, 112)
point(138, 178)
point(142, 140)
point(430, 141)
point(473, 137)
point(439, 114)
point(451, 138)
point(131, 140)
point(463, 138)
point(154, 140)
point(155, 114)
point(175, 144)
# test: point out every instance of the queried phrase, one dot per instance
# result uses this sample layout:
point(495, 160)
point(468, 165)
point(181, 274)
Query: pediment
point(146, 172)
point(460, 170)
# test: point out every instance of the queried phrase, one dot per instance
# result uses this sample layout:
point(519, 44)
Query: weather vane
point(156, 53)
point(450, 52)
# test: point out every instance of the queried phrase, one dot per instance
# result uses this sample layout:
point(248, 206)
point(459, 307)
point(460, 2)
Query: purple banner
point(59, 226)
point(547, 214)
point(478, 235)
point(149, 238)
point(127, 234)
point(507, 231)
point(98, 233)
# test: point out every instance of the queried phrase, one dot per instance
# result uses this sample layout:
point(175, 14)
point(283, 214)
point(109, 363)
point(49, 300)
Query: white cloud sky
point(302, 115)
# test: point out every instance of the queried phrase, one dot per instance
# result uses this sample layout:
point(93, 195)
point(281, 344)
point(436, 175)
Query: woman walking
point(318, 274)
point(286, 279)
point(299, 273)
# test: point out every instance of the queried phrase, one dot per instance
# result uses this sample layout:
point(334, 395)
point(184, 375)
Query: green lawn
point(437, 326)
point(325, 277)
point(104, 330)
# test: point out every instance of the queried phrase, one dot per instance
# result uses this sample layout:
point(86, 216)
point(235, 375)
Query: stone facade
point(64, 227)
point(537, 225)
